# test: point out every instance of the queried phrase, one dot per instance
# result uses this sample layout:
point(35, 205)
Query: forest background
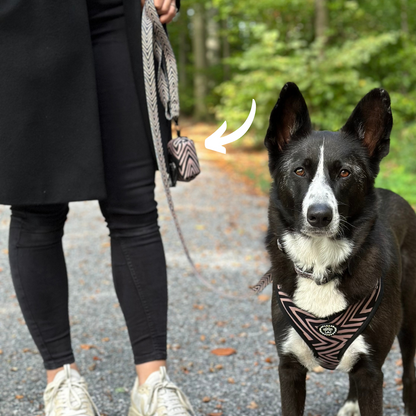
point(230, 51)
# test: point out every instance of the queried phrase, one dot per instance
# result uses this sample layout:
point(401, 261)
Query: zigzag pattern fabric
point(184, 155)
point(329, 338)
point(265, 280)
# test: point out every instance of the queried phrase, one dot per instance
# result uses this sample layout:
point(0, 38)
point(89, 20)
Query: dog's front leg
point(368, 379)
point(292, 377)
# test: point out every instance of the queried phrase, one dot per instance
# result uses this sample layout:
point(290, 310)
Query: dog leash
point(156, 45)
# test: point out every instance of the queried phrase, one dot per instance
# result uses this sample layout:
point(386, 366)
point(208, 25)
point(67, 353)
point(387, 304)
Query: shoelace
point(67, 390)
point(175, 400)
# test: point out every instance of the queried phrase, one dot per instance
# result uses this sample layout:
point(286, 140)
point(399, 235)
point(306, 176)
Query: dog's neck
point(316, 256)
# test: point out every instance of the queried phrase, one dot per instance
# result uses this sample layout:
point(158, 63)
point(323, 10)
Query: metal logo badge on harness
point(328, 330)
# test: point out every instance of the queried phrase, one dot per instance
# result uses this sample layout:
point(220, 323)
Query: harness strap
point(329, 338)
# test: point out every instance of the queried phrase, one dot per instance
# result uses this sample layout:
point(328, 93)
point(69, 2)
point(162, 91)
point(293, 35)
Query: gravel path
point(224, 225)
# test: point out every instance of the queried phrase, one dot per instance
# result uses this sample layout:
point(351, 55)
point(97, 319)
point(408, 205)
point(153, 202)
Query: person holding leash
point(74, 126)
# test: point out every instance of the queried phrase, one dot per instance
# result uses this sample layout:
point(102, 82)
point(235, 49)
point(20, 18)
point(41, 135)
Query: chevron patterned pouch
point(183, 160)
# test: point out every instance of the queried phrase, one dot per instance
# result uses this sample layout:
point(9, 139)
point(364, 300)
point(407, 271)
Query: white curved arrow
point(215, 141)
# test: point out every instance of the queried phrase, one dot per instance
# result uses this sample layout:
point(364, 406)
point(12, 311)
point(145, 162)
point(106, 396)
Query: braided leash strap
point(155, 44)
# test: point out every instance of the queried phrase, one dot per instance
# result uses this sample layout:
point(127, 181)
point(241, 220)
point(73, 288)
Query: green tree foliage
point(367, 44)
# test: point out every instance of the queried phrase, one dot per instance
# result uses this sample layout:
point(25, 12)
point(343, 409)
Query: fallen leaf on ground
point(269, 360)
point(252, 405)
point(263, 298)
point(106, 339)
point(231, 380)
point(206, 399)
point(215, 414)
point(223, 351)
point(25, 350)
point(272, 342)
point(87, 346)
point(19, 396)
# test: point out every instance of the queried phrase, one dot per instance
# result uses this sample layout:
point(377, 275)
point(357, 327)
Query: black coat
point(50, 145)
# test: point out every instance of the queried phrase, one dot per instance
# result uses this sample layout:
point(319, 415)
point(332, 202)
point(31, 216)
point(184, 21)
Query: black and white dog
point(343, 254)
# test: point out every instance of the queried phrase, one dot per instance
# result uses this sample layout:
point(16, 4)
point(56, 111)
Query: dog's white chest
point(321, 301)
point(317, 254)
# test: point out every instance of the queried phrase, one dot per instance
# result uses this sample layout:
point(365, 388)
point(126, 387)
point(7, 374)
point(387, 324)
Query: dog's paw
point(349, 409)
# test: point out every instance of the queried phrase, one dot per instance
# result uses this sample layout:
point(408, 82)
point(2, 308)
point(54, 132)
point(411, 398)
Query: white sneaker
point(158, 396)
point(67, 395)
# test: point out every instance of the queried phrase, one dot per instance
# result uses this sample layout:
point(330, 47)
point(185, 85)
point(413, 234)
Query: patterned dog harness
point(329, 338)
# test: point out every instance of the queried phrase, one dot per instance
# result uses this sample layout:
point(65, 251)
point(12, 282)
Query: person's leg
point(39, 276)
point(138, 261)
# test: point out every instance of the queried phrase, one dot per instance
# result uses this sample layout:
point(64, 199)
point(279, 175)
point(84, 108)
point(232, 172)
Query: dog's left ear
point(371, 122)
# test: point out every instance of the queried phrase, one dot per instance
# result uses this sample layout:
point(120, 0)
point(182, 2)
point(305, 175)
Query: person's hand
point(166, 9)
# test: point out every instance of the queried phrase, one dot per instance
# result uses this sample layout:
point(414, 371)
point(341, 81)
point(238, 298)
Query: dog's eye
point(300, 172)
point(344, 173)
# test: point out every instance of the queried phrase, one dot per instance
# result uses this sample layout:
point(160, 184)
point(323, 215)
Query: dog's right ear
point(289, 119)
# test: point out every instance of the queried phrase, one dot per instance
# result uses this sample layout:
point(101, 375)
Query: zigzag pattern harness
point(329, 338)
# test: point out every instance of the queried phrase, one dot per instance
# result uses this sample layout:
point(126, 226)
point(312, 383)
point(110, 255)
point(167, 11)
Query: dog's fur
point(369, 232)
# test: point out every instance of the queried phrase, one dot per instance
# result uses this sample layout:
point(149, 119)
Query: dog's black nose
point(319, 215)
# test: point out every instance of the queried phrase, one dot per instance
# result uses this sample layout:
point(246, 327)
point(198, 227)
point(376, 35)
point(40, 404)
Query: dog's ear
point(289, 119)
point(371, 122)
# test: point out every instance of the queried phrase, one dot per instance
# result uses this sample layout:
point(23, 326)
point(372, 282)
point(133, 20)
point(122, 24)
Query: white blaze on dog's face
point(320, 206)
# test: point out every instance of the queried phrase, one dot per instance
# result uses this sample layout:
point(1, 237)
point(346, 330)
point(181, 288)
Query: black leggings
point(138, 264)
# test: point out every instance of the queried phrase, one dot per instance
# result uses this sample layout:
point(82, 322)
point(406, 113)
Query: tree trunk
point(199, 50)
point(182, 47)
point(213, 38)
point(226, 52)
point(321, 21)
point(403, 14)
